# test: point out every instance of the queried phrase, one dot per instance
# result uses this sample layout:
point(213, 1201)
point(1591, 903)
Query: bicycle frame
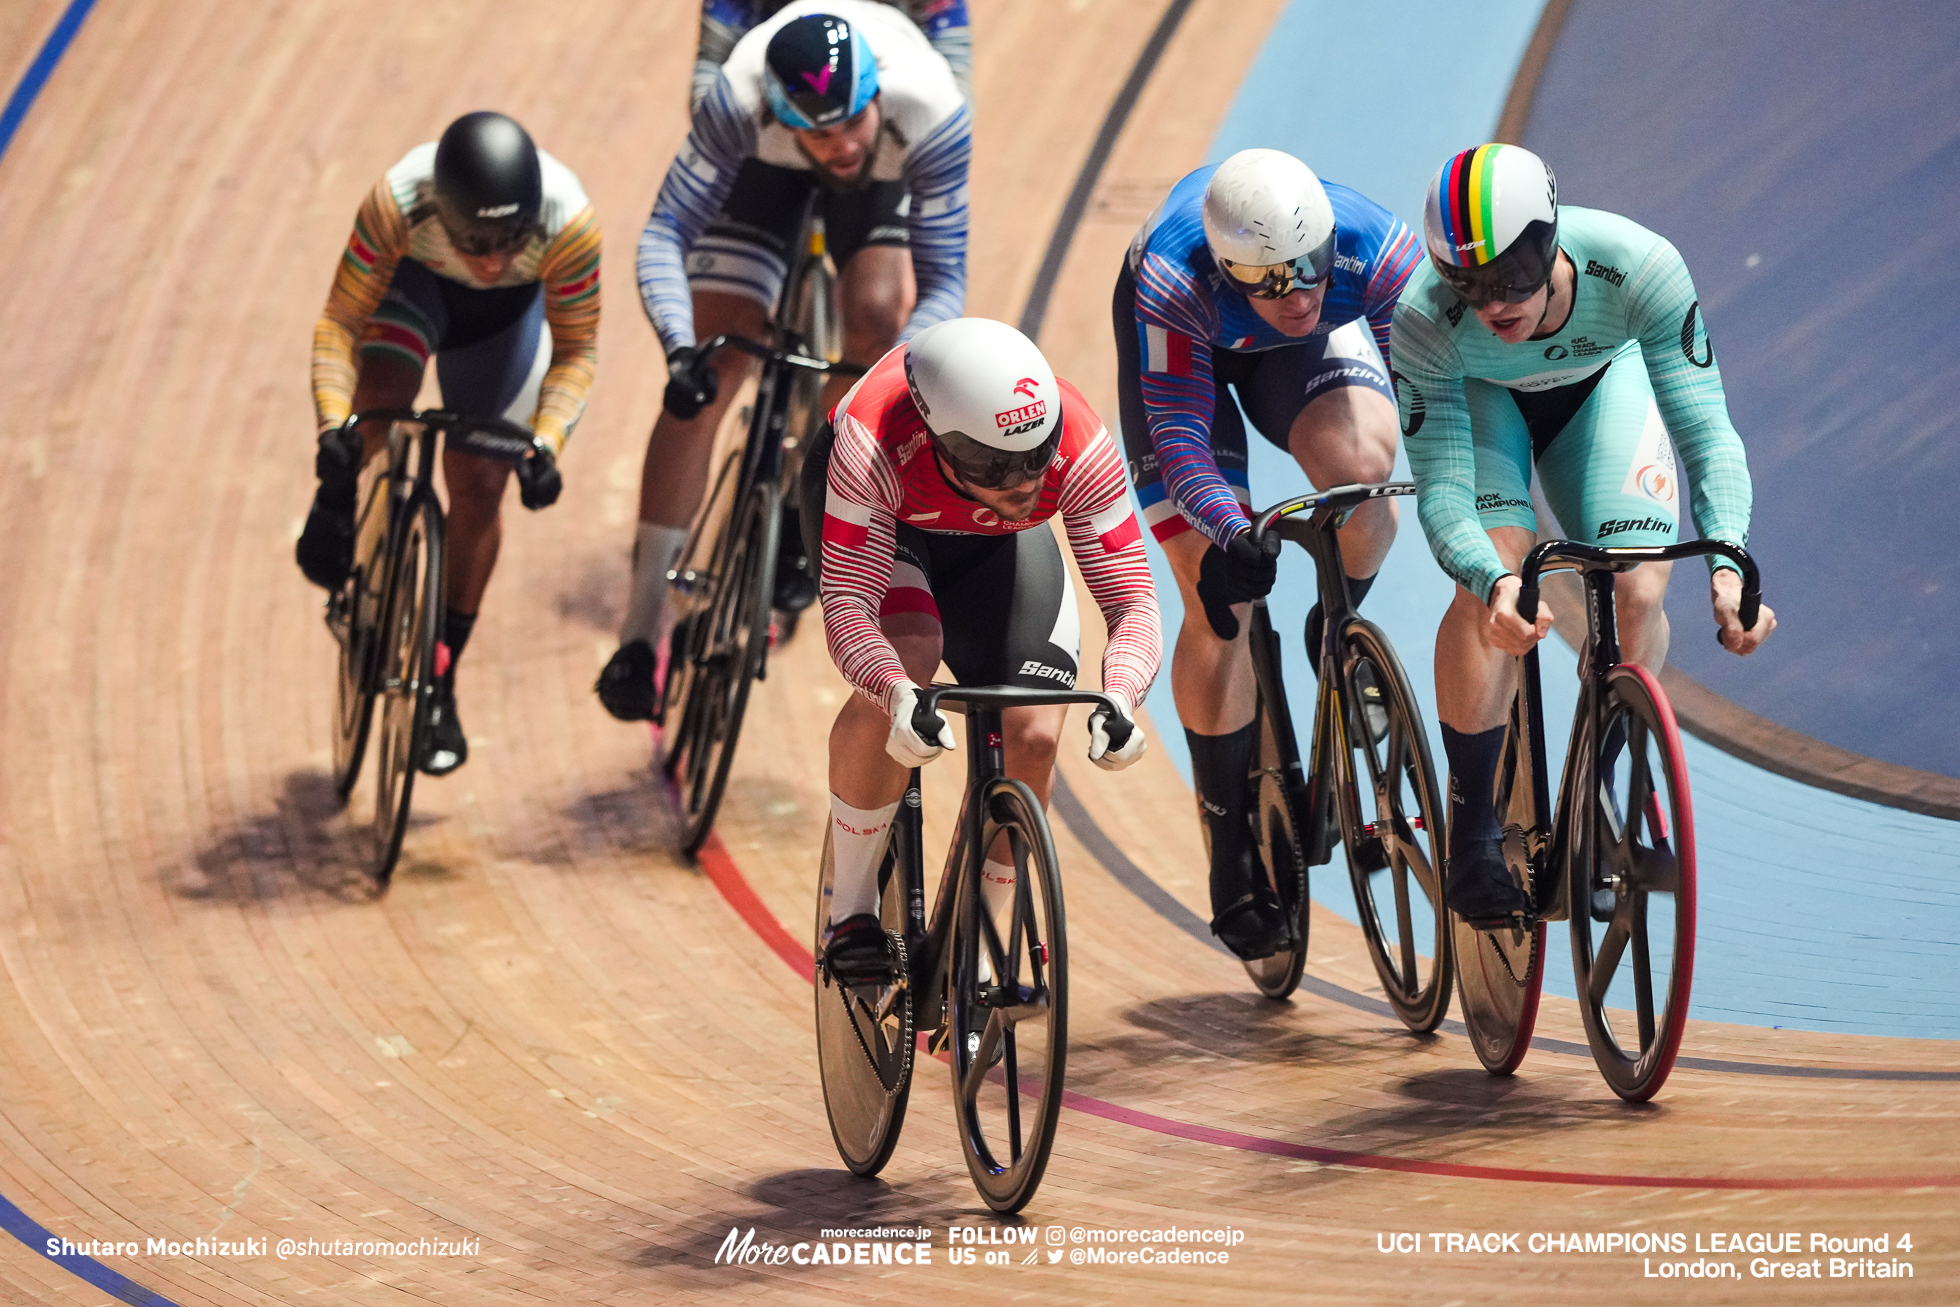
point(1560, 835)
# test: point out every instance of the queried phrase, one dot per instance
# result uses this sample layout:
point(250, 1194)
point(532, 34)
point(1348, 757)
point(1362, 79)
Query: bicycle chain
point(906, 1033)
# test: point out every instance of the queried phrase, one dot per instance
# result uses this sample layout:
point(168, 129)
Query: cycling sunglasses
point(991, 468)
point(480, 242)
point(1271, 281)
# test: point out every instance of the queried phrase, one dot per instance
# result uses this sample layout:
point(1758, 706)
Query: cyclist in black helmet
point(483, 251)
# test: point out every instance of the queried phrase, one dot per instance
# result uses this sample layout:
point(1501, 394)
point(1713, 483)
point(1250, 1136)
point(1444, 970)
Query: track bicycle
point(387, 616)
point(1371, 787)
point(723, 585)
point(997, 993)
point(1616, 859)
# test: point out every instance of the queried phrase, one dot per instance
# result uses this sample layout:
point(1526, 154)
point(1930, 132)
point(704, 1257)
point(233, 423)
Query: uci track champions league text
point(982, 1246)
point(1677, 1255)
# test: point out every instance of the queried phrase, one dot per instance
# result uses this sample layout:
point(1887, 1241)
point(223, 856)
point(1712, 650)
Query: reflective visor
point(993, 468)
point(480, 237)
point(1513, 276)
point(1271, 281)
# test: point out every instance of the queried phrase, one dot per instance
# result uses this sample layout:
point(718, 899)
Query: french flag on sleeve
point(1166, 351)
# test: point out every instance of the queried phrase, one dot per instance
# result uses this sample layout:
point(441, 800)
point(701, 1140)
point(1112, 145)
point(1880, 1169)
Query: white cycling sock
point(857, 842)
point(997, 892)
point(655, 548)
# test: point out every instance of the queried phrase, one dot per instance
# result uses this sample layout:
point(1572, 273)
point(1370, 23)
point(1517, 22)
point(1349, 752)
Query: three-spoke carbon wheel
point(407, 635)
point(725, 637)
point(865, 1040)
point(353, 615)
point(1276, 816)
point(1391, 822)
point(1007, 1007)
point(1633, 890)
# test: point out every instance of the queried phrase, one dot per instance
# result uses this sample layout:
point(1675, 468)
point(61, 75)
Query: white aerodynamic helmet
point(1269, 224)
point(989, 400)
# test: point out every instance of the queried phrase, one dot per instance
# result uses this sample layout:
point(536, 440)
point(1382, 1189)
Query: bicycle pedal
point(940, 1040)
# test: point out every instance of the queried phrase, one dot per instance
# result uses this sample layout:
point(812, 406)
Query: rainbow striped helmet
point(1491, 224)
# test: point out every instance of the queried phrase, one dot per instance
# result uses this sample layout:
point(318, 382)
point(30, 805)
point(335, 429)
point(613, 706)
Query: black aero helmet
point(488, 186)
point(818, 71)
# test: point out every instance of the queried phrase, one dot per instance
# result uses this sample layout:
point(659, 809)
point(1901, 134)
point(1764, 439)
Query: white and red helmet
point(989, 400)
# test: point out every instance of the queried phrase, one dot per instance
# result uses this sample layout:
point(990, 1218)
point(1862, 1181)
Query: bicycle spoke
point(1643, 975)
point(1607, 960)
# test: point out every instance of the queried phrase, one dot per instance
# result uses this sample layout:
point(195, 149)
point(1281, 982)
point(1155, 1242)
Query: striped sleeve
point(1664, 311)
point(860, 520)
point(367, 265)
point(1107, 542)
point(1396, 259)
point(697, 184)
point(936, 176)
point(1174, 364)
point(570, 272)
point(946, 25)
point(722, 25)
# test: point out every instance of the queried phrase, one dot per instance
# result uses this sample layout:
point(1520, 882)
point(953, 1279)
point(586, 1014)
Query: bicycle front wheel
point(1007, 1006)
point(411, 609)
point(1390, 825)
point(865, 1036)
point(721, 651)
point(354, 615)
point(1633, 890)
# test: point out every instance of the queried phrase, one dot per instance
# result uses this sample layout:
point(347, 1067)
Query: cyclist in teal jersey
point(1572, 340)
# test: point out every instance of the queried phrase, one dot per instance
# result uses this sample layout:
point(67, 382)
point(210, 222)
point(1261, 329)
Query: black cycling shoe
point(1479, 887)
point(625, 687)
point(1254, 927)
point(796, 589)
point(325, 552)
point(443, 748)
point(859, 951)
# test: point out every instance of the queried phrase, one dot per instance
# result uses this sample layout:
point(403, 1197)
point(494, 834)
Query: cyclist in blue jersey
point(724, 22)
point(1251, 274)
point(1568, 341)
point(841, 100)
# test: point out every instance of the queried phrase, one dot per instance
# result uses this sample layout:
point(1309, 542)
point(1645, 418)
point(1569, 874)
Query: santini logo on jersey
point(1043, 670)
point(1594, 268)
point(1620, 525)
point(1022, 417)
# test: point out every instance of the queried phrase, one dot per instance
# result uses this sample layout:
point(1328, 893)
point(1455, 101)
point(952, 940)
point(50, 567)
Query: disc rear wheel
point(1633, 891)
point(1500, 973)
point(865, 1037)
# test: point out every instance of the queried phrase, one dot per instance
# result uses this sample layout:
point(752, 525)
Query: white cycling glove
point(1099, 751)
point(904, 744)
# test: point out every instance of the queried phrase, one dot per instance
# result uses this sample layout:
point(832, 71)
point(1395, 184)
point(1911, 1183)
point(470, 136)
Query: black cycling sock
point(1220, 768)
point(456, 628)
point(1473, 778)
point(1358, 588)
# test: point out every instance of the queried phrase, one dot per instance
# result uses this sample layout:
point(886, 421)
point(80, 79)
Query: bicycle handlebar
point(714, 344)
point(1117, 728)
point(486, 437)
point(1337, 497)
point(1589, 558)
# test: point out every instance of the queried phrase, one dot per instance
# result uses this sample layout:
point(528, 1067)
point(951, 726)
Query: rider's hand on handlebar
point(338, 460)
point(1236, 574)
point(1725, 586)
point(1509, 632)
point(691, 383)
point(538, 480)
point(906, 746)
point(1100, 752)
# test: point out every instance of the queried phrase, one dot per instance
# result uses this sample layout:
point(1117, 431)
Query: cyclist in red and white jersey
point(938, 474)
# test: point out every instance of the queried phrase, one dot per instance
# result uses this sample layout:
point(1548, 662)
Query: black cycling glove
point(1236, 574)
point(538, 481)
point(691, 383)
point(338, 460)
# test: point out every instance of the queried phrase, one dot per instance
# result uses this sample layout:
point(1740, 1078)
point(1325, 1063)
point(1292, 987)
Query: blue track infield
point(1818, 912)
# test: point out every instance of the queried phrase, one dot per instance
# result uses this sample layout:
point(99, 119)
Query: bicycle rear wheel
point(1390, 825)
point(1009, 1018)
point(407, 633)
point(353, 615)
point(1275, 813)
point(1500, 973)
point(1634, 969)
point(717, 658)
point(865, 1037)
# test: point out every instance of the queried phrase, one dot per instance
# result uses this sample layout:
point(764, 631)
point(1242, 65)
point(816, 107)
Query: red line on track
point(734, 887)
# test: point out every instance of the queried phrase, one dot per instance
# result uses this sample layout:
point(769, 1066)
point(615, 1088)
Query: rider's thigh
point(1031, 736)
point(1008, 608)
point(1345, 436)
point(875, 294)
point(1610, 474)
point(475, 484)
point(494, 368)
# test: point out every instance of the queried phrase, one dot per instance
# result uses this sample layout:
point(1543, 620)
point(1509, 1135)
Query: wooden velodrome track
point(554, 1037)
